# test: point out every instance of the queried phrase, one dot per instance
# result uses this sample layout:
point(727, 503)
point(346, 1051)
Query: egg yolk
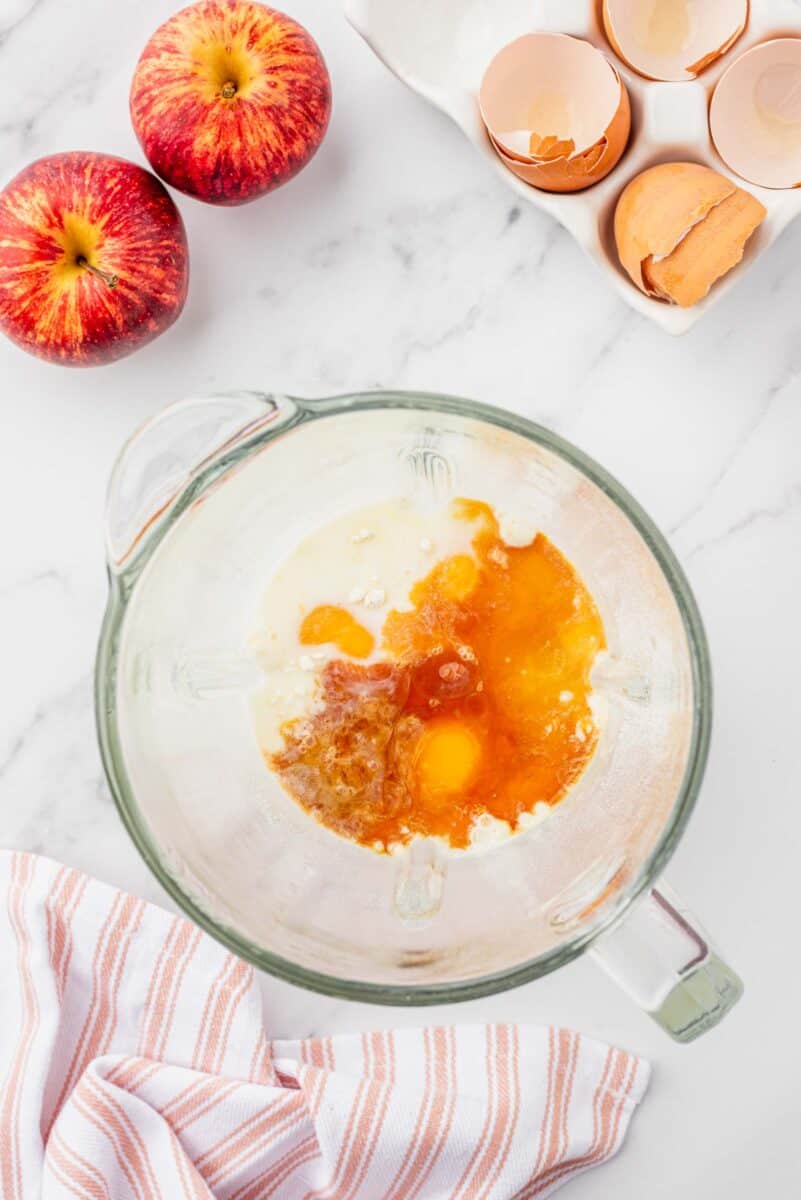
point(447, 760)
point(478, 706)
point(328, 624)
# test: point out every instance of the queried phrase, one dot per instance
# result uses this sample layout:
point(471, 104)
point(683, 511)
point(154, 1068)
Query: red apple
point(229, 100)
point(93, 259)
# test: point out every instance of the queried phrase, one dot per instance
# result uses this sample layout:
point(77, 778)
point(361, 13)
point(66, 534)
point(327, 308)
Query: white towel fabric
point(135, 1066)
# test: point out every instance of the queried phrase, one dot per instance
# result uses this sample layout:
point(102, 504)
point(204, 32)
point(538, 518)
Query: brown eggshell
point(755, 114)
point(556, 111)
point(673, 40)
point(708, 252)
point(679, 227)
point(581, 171)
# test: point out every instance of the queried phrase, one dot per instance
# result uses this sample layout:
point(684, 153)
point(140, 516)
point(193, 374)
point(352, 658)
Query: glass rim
point(451, 991)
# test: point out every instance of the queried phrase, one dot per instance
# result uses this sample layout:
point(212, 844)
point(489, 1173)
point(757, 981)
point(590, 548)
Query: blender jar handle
point(184, 442)
point(660, 955)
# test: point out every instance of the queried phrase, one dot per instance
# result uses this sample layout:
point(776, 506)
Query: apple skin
point(68, 213)
point(230, 148)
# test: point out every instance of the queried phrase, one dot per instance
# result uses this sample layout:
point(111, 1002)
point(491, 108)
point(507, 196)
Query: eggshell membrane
point(679, 227)
point(673, 40)
point(755, 114)
point(556, 111)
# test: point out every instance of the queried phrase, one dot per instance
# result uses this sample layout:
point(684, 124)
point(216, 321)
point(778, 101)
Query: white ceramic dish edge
point(670, 120)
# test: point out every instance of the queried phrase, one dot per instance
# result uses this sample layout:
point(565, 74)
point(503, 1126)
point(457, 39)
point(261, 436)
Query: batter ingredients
point(475, 704)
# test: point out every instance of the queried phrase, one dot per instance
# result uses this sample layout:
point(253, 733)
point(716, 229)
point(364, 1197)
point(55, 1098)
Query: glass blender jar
point(204, 503)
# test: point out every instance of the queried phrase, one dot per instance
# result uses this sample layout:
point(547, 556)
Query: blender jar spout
point(170, 460)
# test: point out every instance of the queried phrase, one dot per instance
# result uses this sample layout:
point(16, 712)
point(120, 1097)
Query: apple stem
point(228, 90)
point(111, 280)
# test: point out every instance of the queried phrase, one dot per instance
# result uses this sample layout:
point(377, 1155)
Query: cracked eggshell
point(673, 40)
point(556, 111)
point(679, 227)
point(755, 114)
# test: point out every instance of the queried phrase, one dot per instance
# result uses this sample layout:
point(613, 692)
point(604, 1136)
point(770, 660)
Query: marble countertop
point(397, 260)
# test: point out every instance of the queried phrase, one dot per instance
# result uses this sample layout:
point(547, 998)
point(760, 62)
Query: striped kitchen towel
point(135, 1066)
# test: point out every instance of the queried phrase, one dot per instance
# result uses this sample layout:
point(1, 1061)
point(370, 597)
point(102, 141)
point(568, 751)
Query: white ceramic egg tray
point(441, 49)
